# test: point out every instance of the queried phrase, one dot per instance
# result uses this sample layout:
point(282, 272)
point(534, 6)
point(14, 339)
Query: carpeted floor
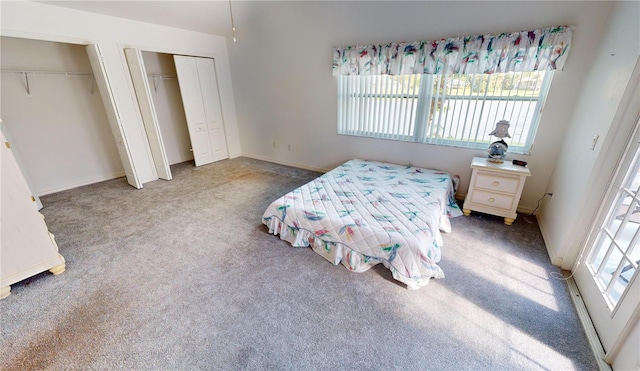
point(182, 275)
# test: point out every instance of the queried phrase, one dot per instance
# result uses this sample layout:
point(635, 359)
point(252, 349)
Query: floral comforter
point(363, 213)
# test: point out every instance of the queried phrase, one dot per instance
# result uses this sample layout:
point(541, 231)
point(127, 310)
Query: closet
point(200, 106)
point(54, 117)
point(163, 81)
point(156, 87)
point(60, 115)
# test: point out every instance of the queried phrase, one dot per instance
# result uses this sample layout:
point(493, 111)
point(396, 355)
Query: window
point(453, 110)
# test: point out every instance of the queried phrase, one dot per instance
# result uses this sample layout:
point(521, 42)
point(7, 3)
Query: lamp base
point(497, 151)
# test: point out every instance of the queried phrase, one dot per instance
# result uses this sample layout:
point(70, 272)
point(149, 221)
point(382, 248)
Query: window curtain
point(525, 51)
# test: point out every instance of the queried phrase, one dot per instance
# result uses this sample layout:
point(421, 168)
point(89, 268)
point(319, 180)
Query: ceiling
point(210, 16)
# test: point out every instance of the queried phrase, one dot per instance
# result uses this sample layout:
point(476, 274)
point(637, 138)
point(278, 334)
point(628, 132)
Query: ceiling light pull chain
point(233, 25)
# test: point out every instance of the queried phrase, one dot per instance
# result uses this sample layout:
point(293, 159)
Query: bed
point(363, 213)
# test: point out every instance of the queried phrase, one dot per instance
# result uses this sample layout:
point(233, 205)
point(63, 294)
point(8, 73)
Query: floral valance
point(525, 51)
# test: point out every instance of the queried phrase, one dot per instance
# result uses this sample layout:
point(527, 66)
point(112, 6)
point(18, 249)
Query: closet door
point(212, 108)
point(106, 93)
point(199, 90)
point(148, 111)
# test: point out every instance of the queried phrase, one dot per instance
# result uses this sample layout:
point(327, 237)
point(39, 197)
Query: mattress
point(364, 213)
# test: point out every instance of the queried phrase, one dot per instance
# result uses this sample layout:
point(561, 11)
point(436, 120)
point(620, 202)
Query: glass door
point(615, 255)
point(607, 276)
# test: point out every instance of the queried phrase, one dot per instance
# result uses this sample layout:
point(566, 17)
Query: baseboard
point(87, 182)
point(181, 160)
point(589, 329)
point(286, 163)
point(555, 260)
point(524, 210)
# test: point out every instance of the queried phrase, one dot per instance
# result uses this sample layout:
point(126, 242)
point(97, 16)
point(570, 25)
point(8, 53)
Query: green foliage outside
point(512, 84)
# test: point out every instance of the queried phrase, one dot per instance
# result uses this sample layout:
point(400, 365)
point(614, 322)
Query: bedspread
point(364, 212)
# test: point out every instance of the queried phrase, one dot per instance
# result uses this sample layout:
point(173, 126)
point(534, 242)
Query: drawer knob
point(492, 199)
point(495, 184)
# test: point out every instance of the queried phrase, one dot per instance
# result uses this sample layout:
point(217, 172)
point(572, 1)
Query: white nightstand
point(495, 188)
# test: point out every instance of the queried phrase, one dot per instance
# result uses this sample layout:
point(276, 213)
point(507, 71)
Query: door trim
point(147, 110)
point(111, 107)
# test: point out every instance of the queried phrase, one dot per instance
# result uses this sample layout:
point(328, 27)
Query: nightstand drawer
point(496, 182)
point(496, 200)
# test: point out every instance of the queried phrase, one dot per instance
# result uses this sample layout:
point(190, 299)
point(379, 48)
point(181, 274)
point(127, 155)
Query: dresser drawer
point(499, 201)
point(497, 182)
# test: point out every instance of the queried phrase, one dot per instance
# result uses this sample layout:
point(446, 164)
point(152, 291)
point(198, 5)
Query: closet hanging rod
point(26, 74)
point(41, 72)
point(158, 77)
point(162, 76)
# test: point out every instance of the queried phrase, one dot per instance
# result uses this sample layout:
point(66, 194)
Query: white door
point(148, 111)
point(111, 108)
point(212, 108)
point(199, 90)
point(607, 275)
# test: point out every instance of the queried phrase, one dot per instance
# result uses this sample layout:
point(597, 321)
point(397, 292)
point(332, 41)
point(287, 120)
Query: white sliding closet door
point(111, 108)
point(212, 108)
point(148, 111)
point(199, 90)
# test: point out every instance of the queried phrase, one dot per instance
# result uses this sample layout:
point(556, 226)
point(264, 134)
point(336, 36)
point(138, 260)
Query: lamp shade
point(501, 130)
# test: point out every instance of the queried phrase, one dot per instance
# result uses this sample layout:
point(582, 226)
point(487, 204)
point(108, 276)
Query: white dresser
point(495, 188)
point(27, 247)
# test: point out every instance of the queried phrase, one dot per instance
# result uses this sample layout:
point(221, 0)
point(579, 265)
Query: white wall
point(45, 22)
point(581, 175)
point(281, 69)
point(628, 357)
point(169, 108)
point(60, 132)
